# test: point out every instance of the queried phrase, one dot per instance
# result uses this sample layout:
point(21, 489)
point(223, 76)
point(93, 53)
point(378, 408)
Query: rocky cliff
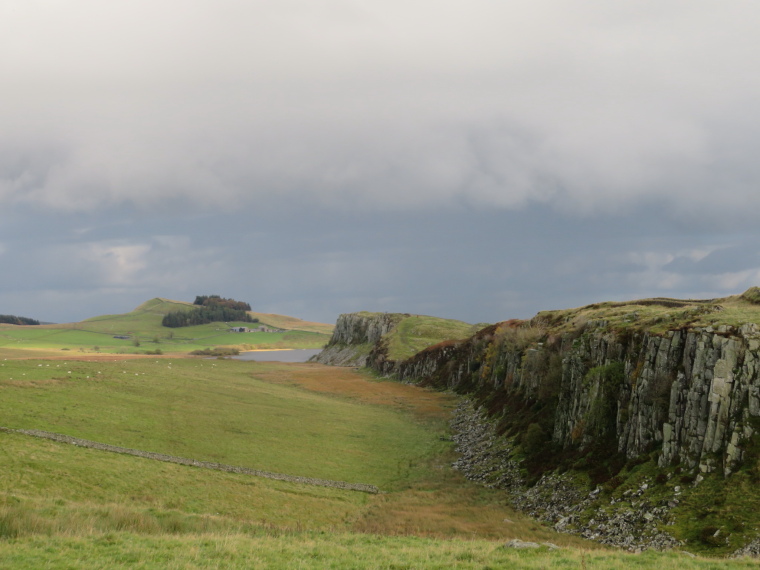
point(640, 402)
point(357, 339)
point(694, 394)
point(381, 340)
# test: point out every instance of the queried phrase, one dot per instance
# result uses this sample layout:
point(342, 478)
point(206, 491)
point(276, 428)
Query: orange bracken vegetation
point(348, 382)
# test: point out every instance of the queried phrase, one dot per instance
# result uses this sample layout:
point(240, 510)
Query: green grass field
point(211, 410)
point(146, 334)
point(62, 506)
point(310, 550)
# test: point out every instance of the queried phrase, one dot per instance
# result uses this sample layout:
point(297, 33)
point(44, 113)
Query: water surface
point(295, 355)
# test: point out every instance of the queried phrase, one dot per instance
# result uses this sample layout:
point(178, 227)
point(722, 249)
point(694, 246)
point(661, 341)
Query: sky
point(478, 160)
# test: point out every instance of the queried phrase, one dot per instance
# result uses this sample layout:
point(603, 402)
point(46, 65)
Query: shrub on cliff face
point(534, 439)
point(658, 391)
point(710, 536)
point(602, 414)
point(549, 388)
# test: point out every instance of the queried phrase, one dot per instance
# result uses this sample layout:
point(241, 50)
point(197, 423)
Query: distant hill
point(141, 331)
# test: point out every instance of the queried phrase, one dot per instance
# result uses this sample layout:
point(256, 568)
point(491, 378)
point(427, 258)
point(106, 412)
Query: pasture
point(68, 506)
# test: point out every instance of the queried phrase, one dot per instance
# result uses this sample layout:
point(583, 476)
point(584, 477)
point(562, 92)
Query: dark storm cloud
point(477, 160)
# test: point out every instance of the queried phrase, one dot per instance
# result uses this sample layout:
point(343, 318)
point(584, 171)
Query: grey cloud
point(590, 108)
point(474, 160)
point(467, 263)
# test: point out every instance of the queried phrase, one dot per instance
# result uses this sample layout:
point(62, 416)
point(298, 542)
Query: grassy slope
point(413, 333)
point(211, 410)
point(417, 332)
point(144, 324)
point(72, 507)
point(291, 323)
point(319, 550)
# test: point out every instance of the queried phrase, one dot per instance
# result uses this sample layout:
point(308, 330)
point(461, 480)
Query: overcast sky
point(479, 160)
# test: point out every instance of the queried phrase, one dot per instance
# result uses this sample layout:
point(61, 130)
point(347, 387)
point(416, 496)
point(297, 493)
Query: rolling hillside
point(141, 331)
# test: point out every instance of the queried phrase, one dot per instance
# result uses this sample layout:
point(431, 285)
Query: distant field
point(185, 339)
point(285, 322)
point(145, 333)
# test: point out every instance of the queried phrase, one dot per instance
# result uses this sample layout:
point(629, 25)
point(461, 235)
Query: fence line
point(193, 462)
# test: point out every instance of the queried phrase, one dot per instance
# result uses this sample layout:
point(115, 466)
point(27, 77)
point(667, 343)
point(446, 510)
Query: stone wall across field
point(193, 462)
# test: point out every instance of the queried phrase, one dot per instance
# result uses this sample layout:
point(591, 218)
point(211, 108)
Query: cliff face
point(635, 424)
point(356, 339)
point(693, 394)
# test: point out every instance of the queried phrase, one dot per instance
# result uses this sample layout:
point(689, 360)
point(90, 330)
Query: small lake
point(295, 355)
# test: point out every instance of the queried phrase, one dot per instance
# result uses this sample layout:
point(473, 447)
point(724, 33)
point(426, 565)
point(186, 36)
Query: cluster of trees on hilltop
point(14, 320)
point(210, 309)
point(217, 301)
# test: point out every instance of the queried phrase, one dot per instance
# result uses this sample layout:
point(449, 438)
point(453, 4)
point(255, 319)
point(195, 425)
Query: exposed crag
point(639, 402)
point(381, 340)
point(693, 393)
point(356, 339)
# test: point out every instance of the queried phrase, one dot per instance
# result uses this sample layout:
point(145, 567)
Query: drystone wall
point(193, 462)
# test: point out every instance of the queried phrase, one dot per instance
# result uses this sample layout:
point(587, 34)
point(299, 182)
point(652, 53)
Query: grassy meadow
point(318, 550)
point(297, 419)
point(62, 506)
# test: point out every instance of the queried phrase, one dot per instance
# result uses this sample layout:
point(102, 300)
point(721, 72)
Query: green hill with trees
point(142, 330)
point(210, 309)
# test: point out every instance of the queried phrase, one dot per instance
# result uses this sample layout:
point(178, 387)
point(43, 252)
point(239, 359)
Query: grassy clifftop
point(417, 332)
point(659, 314)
